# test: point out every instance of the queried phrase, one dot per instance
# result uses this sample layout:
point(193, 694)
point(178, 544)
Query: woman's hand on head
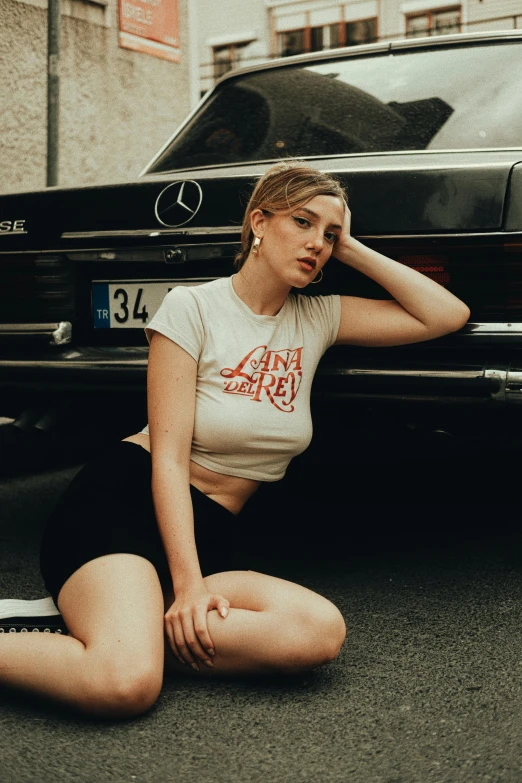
point(186, 624)
point(345, 240)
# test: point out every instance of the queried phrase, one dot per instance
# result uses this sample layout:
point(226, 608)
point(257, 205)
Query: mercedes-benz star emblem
point(178, 203)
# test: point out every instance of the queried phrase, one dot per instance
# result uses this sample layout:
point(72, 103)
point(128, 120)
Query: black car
point(426, 135)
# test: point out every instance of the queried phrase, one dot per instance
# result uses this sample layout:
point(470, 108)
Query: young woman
point(125, 555)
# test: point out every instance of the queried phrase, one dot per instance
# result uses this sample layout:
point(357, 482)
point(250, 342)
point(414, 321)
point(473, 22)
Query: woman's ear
point(257, 222)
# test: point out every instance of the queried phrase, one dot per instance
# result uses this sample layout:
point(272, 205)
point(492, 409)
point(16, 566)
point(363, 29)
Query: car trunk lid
point(388, 194)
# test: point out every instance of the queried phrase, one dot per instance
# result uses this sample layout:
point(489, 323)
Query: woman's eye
point(331, 237)
point(301, 221)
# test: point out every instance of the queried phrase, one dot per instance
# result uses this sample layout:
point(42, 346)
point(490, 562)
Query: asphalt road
point(428, 686)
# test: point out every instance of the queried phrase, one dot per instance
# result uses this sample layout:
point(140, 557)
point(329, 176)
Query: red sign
point(150, 26)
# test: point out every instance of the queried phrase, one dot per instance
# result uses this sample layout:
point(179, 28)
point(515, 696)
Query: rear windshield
point(451, 98)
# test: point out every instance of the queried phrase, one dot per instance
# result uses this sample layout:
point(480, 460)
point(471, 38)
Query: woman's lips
point(308, 264)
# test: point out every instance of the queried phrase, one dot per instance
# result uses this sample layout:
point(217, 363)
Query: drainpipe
point(193, 52)
point(53, 90)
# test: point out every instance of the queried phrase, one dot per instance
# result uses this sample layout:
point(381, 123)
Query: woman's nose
point(316, 242)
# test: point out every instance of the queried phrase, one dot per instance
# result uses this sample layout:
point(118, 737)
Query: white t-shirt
point(254, 374)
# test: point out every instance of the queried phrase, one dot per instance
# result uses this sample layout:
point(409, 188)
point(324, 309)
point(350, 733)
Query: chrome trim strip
point(412, 166)
point(27, 328)
point(151, 232)
point(74, 252)
point(498, 329)
point(230, 230)
point(195, 231)
point(456, 375)
point(59, 334)
point(91, 359)
point(454, 235)
point(448, 399)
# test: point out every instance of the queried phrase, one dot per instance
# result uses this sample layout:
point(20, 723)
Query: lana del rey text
point(267, 375)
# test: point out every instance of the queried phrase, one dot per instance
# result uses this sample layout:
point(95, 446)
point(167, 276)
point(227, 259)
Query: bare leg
point(274, 626)
point(112, 664)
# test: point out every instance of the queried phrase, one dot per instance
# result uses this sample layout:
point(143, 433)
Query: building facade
point(118, 105)
point(232, 32)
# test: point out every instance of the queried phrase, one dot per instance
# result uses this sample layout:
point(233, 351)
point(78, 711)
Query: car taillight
point(35, 288)
point(484, 272)
point(433, 266)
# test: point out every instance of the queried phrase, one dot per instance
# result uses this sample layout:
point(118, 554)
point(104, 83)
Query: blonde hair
point(287, 185)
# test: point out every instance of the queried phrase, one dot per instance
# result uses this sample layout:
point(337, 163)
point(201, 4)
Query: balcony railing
point(508, 22)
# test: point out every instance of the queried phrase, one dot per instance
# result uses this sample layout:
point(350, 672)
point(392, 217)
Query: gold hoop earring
point(315, 281)
point(255, 244)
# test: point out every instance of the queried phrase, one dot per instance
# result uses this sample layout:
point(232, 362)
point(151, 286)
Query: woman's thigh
point(261, 592)
point(273, 625)
point(114, 606)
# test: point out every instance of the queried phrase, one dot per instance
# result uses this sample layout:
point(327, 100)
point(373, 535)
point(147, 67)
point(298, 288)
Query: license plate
point(130, 304)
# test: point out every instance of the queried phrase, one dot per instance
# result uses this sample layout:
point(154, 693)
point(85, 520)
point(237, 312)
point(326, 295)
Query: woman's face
point(297, 243)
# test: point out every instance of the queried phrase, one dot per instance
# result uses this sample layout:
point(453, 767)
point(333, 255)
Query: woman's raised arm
point(421, 309)
point(171, 393)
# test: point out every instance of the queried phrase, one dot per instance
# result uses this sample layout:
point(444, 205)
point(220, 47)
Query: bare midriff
point(232, 492)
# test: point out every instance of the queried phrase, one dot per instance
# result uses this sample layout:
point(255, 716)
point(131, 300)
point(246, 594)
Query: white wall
point(117, 107)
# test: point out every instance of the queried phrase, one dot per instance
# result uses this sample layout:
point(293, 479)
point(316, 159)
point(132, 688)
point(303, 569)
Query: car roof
point(396, 45)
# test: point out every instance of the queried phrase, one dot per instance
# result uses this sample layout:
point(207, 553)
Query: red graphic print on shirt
point(275, 375)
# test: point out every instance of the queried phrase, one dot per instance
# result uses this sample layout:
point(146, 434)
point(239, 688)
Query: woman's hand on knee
point(186, 625)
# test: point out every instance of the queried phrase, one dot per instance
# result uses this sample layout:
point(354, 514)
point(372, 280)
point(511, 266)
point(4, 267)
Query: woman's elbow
point(449, 321)
point(461, 317)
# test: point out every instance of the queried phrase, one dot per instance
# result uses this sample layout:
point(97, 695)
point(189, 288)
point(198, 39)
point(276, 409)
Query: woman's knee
point(315, 635)
point(123, 690)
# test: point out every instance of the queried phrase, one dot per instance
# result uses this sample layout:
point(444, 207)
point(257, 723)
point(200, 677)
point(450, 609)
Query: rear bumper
point(480, 364)
point(109, 367)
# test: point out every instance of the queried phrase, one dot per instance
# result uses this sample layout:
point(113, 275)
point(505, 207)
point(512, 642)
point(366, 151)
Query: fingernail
point(195, 666)
point(209, 663)
point(211, 651)
point(223, 612)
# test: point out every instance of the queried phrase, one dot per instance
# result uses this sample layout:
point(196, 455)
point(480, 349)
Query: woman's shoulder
point(195, 292)
point(320, 314)
point(203, 287)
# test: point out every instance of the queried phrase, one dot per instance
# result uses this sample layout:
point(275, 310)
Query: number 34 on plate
point(129, 304)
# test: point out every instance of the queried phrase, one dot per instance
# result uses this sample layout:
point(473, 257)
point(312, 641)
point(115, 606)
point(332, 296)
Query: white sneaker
point(17, 615)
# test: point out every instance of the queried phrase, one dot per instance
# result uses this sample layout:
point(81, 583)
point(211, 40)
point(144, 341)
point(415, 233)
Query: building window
point(360, 32)
point(227, 57)
point(334, 32)
point(329, 36)
point(316, 39)
point(291, 42)
point(437, 22)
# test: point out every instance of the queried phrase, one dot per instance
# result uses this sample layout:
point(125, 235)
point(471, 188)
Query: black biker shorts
point(108, 509)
